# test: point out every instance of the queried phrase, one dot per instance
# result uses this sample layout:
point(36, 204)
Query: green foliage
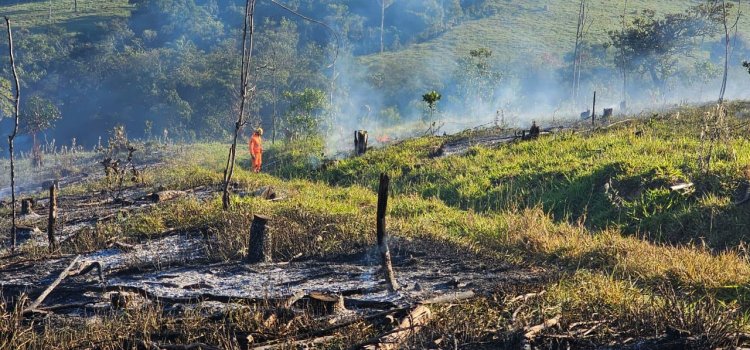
point(650, 45)
point(6, 98)
point(38, 114)
point(306, 113)
point(612, 179)
point(478, 78)
point(431, 98)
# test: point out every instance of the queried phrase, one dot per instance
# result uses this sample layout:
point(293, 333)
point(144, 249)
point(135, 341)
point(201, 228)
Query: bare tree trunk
point(52, 219)
point(385, 253)
point(726, 53)
point(11, 138)
point(622, 53)
point(576, 54)
point(247, 55)
point(382, 25)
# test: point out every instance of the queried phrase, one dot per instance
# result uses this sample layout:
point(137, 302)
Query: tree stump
point(360, 142)
point(27, 206)
point(261, 241)
point(326, 304)
point(52, 219)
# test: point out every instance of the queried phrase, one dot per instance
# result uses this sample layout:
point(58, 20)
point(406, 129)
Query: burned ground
point(174, 274)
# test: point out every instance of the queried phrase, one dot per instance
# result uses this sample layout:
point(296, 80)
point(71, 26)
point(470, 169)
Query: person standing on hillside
point(256, 149)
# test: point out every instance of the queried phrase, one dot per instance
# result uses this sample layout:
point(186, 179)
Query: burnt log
point(163, 196)
point(385, 253)
point(52, 218)
point(261, 241)
point(27, 206)
point(360, 142)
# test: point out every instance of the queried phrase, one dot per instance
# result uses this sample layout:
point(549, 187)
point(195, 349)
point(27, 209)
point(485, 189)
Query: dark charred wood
point(52, 218)
point(360, 142)
point(27, 206)
point(385, 253)
point(260, 249)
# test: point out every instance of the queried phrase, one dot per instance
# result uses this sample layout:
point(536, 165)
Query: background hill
point(152, 65)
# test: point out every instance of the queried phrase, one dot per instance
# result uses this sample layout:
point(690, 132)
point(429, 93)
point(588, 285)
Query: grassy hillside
point(526, 38)
point(29, 14)
point(616, 178)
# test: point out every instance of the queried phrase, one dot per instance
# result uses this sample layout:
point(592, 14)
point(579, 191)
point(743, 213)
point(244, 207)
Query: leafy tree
point(38, 114)
point(305, 115)
point(650, 45)
point(277, 61)
point(478, 78)
point(431, 99)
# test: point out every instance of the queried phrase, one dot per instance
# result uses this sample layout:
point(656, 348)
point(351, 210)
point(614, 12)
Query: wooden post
point(260, 241)
point(385, 253)
point(593, 111)
point(52, 220)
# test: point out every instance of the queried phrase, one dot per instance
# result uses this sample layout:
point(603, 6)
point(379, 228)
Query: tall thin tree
point(247, 55)
point(726, 52)
point(11, 138)
point(577, 50)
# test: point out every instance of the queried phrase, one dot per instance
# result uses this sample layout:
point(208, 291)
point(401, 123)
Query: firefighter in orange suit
point(256, 149)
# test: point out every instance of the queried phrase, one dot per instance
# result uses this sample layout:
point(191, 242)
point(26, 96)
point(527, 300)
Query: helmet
point(259, 131)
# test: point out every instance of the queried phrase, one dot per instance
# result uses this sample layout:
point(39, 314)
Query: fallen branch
point(86, 269)
point(326, 331)
point(194, 346)
point(410, 325)
point(527, 296)
point(302, 344)
point(532, 332)
point(449, 298)
point(52, 286)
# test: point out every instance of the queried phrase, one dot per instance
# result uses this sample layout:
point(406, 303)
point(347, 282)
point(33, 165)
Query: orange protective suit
point(256, 151)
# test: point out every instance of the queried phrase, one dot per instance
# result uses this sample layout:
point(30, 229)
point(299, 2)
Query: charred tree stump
point(259, 250)
point(52, 219)
point(385, 253)
point(326, 304)
point(27, 206)
point(360, 142)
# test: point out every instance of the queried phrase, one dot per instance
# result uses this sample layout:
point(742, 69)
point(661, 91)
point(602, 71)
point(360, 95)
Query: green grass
point(567, 175)
point(40, 13)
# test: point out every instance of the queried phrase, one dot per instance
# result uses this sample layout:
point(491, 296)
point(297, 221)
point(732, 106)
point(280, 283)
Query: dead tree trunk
point(385, 253)
point(593, 112)
point(360, 142)
point(247, 55)
point(261, 241)
point(382, 24)
point(726, 53)
point(16, 104)
point(52, 219)
point(579, 30)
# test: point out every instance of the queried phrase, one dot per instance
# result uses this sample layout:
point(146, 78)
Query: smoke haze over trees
point(171, 64)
